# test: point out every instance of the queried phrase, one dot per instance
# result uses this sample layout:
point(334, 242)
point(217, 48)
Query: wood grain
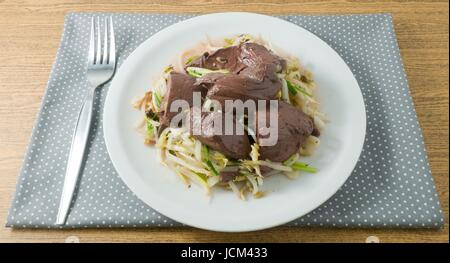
point(29, 36)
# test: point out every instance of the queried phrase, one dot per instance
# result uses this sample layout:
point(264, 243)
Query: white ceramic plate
point(160, 188)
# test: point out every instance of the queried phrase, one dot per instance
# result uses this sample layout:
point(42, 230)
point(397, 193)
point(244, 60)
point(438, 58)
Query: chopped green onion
point(157, 99)
point(168, 69)
point(290, 160)
point(208, 161)
point(205, 152)
point(199, 72)
point(228, 42)
point(211, 166)
point(291, 88)
point(294, 89)
point(190, 59)
point(149, 127)
point(298, 166)
point(193, 73)
point(202, 177)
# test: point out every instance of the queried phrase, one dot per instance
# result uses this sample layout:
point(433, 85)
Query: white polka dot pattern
point(391, 185)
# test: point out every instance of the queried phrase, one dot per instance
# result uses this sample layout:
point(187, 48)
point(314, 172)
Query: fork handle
point(75, 161)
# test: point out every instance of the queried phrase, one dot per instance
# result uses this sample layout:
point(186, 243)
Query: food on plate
point(194, 141)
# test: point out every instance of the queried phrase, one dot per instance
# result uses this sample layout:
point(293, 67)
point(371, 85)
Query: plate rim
point(109, 145)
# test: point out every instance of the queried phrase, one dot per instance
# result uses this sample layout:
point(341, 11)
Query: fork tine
point(98, 59)
point(112, 43)
point(91, 56)
point(105, 43)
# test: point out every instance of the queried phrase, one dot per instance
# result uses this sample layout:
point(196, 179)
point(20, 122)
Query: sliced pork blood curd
point(244, 69)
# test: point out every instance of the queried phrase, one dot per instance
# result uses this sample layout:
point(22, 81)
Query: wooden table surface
point(29, 37)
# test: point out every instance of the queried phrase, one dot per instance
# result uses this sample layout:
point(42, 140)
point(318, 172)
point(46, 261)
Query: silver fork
point(100, 69)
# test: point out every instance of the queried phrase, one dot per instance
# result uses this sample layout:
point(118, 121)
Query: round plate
point(286, 200)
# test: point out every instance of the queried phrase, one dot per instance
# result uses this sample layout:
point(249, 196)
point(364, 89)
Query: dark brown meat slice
point(224, 58)
point(229, 86)
point(264, 170)
point(225, 177)
point(233, 146)
point(260, 63)
point(179, 87)
point(315, 131)
point(294, 127)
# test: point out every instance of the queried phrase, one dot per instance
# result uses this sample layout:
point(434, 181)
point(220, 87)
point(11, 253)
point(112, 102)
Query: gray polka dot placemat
point(391, 185)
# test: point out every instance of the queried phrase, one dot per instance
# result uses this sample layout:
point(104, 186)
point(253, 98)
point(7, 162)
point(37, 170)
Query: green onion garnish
point(189, 60)
point(228, 42)
point(149, 127)
point(290, 159)
point(199, 72)
point(202, 177)
point(168, 69)
point(157, 99)
point(294, 89)
point(298, 166)
point(206, 152)
point(193, 73)
point(211, 166)
point(207, 161)
point(291, 88)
